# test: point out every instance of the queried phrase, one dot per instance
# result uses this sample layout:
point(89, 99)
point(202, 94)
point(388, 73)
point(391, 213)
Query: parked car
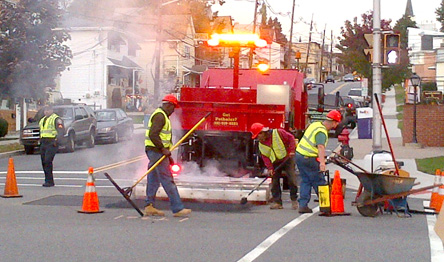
point(309, 80)
point(349, 78)
point(113, 124)
point(80, 127)
point(329, 78)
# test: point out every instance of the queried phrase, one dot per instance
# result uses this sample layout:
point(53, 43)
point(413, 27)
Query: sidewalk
point(363, 147)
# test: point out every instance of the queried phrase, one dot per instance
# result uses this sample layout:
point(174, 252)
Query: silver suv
point(80, 127)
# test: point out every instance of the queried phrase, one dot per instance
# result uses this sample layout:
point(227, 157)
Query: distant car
point(349, 78)
point(113, 124)
point(329, 78)
point(309, 80)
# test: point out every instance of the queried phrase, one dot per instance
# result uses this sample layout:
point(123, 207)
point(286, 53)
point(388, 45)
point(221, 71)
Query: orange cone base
point(90, 212)
point(10, 196)
point(322, 214)
point(90, 204)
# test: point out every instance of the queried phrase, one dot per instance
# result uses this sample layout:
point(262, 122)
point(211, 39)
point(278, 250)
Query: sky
point(329, 14)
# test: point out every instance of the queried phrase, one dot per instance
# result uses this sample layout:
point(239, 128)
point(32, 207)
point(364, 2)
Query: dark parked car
point(113, 124)
point(80, 127)
point(329, 78)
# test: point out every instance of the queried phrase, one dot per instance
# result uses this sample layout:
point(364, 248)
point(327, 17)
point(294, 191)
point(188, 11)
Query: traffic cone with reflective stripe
point(11, 189)
point(440, 197)
point(337, 200)
point(90, 198)
point(435, 195)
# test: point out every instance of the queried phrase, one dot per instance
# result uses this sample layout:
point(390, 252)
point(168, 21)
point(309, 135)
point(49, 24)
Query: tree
point(32, 52)
point(352, 45)
point(440, 15)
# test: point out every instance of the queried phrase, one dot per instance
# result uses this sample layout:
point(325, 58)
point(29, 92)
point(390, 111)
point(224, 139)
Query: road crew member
point(158, 141)
point(310, 157)
point(276, 146)
point(51, 128)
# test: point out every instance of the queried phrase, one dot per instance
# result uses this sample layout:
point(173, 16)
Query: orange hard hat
point(172, 99)
point(256, 128)
point(334, 115)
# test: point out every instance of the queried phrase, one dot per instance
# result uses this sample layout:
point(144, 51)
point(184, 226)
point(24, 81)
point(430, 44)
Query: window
point(186, 51)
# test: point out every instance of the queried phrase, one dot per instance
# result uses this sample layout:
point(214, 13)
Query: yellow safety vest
point(48, 130)
point(277, 149)
point(166, 133)
point(307, 145)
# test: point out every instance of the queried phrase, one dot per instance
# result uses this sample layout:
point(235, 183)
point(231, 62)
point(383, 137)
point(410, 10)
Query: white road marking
point(54, 172)
point(118, 217)
point(262, 247)
point(183, 219)
point(436, 245)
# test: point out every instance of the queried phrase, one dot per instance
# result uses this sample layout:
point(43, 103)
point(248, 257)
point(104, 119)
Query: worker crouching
point(277, 148)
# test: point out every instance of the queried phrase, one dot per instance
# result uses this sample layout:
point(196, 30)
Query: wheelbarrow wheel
point(366, 210)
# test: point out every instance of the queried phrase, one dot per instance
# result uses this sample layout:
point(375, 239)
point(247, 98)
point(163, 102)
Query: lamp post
point(416, 80)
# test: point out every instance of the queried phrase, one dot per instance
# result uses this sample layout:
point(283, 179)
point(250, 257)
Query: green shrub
point(3, 127)
point(429, 86)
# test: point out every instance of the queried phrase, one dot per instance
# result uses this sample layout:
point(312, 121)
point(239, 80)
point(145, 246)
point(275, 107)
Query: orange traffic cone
point(90, 198)
point(337, 200)
point(440, 197)
point(11, 189)
point(434, 197)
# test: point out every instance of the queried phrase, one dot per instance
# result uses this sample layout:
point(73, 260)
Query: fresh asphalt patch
point(120, 202)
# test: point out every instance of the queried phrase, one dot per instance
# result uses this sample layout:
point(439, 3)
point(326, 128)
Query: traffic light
point(392, 47)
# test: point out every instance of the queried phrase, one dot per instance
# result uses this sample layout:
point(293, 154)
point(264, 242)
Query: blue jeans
point(310, 177)
point(161, 175)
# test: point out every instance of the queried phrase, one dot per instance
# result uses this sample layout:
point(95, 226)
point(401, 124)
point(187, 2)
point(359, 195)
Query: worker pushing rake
point(126, 192)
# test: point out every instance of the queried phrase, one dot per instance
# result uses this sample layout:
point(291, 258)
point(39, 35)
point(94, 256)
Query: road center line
point(338, 88)
point(262, 247)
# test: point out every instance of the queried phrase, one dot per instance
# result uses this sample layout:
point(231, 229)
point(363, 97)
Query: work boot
point(183, 213)
point(276, 206)
point(305, 209)
point(294, 204)
point(48, 184)
point(152, 211)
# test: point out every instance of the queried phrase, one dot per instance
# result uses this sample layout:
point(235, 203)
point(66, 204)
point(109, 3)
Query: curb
point(12, 153)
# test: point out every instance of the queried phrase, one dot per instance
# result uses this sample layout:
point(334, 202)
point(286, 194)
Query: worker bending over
point(277, 146)
point(310, 157)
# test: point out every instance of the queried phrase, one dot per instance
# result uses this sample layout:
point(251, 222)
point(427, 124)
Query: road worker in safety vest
point(158, 142)
point(310, 157)
point(277, 148)
point(51, 129)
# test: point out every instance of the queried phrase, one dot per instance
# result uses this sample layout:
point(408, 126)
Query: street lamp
point(416, 81)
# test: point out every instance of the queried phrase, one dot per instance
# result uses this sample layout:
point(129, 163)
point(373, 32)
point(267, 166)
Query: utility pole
point(290, 44)
point(158, 50)
point(376, 72)
point(250, 56)
point(308, 47)
point(331, 53)
point(322, 54)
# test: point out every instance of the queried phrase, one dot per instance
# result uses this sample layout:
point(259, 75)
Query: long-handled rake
point(244, 200)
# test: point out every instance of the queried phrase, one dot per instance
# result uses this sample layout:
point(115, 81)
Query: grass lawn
point(10, 147)
point(429, 165)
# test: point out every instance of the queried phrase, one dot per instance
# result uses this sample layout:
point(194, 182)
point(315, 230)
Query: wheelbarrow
point(376, 189)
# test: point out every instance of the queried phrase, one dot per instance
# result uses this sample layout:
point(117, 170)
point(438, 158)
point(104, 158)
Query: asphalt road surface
point(44, 225)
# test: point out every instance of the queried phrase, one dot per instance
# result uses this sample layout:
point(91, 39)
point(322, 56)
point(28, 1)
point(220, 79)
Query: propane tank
point(374, 160)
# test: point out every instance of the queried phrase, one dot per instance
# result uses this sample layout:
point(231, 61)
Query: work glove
point(166, 152)
point(270, 173)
